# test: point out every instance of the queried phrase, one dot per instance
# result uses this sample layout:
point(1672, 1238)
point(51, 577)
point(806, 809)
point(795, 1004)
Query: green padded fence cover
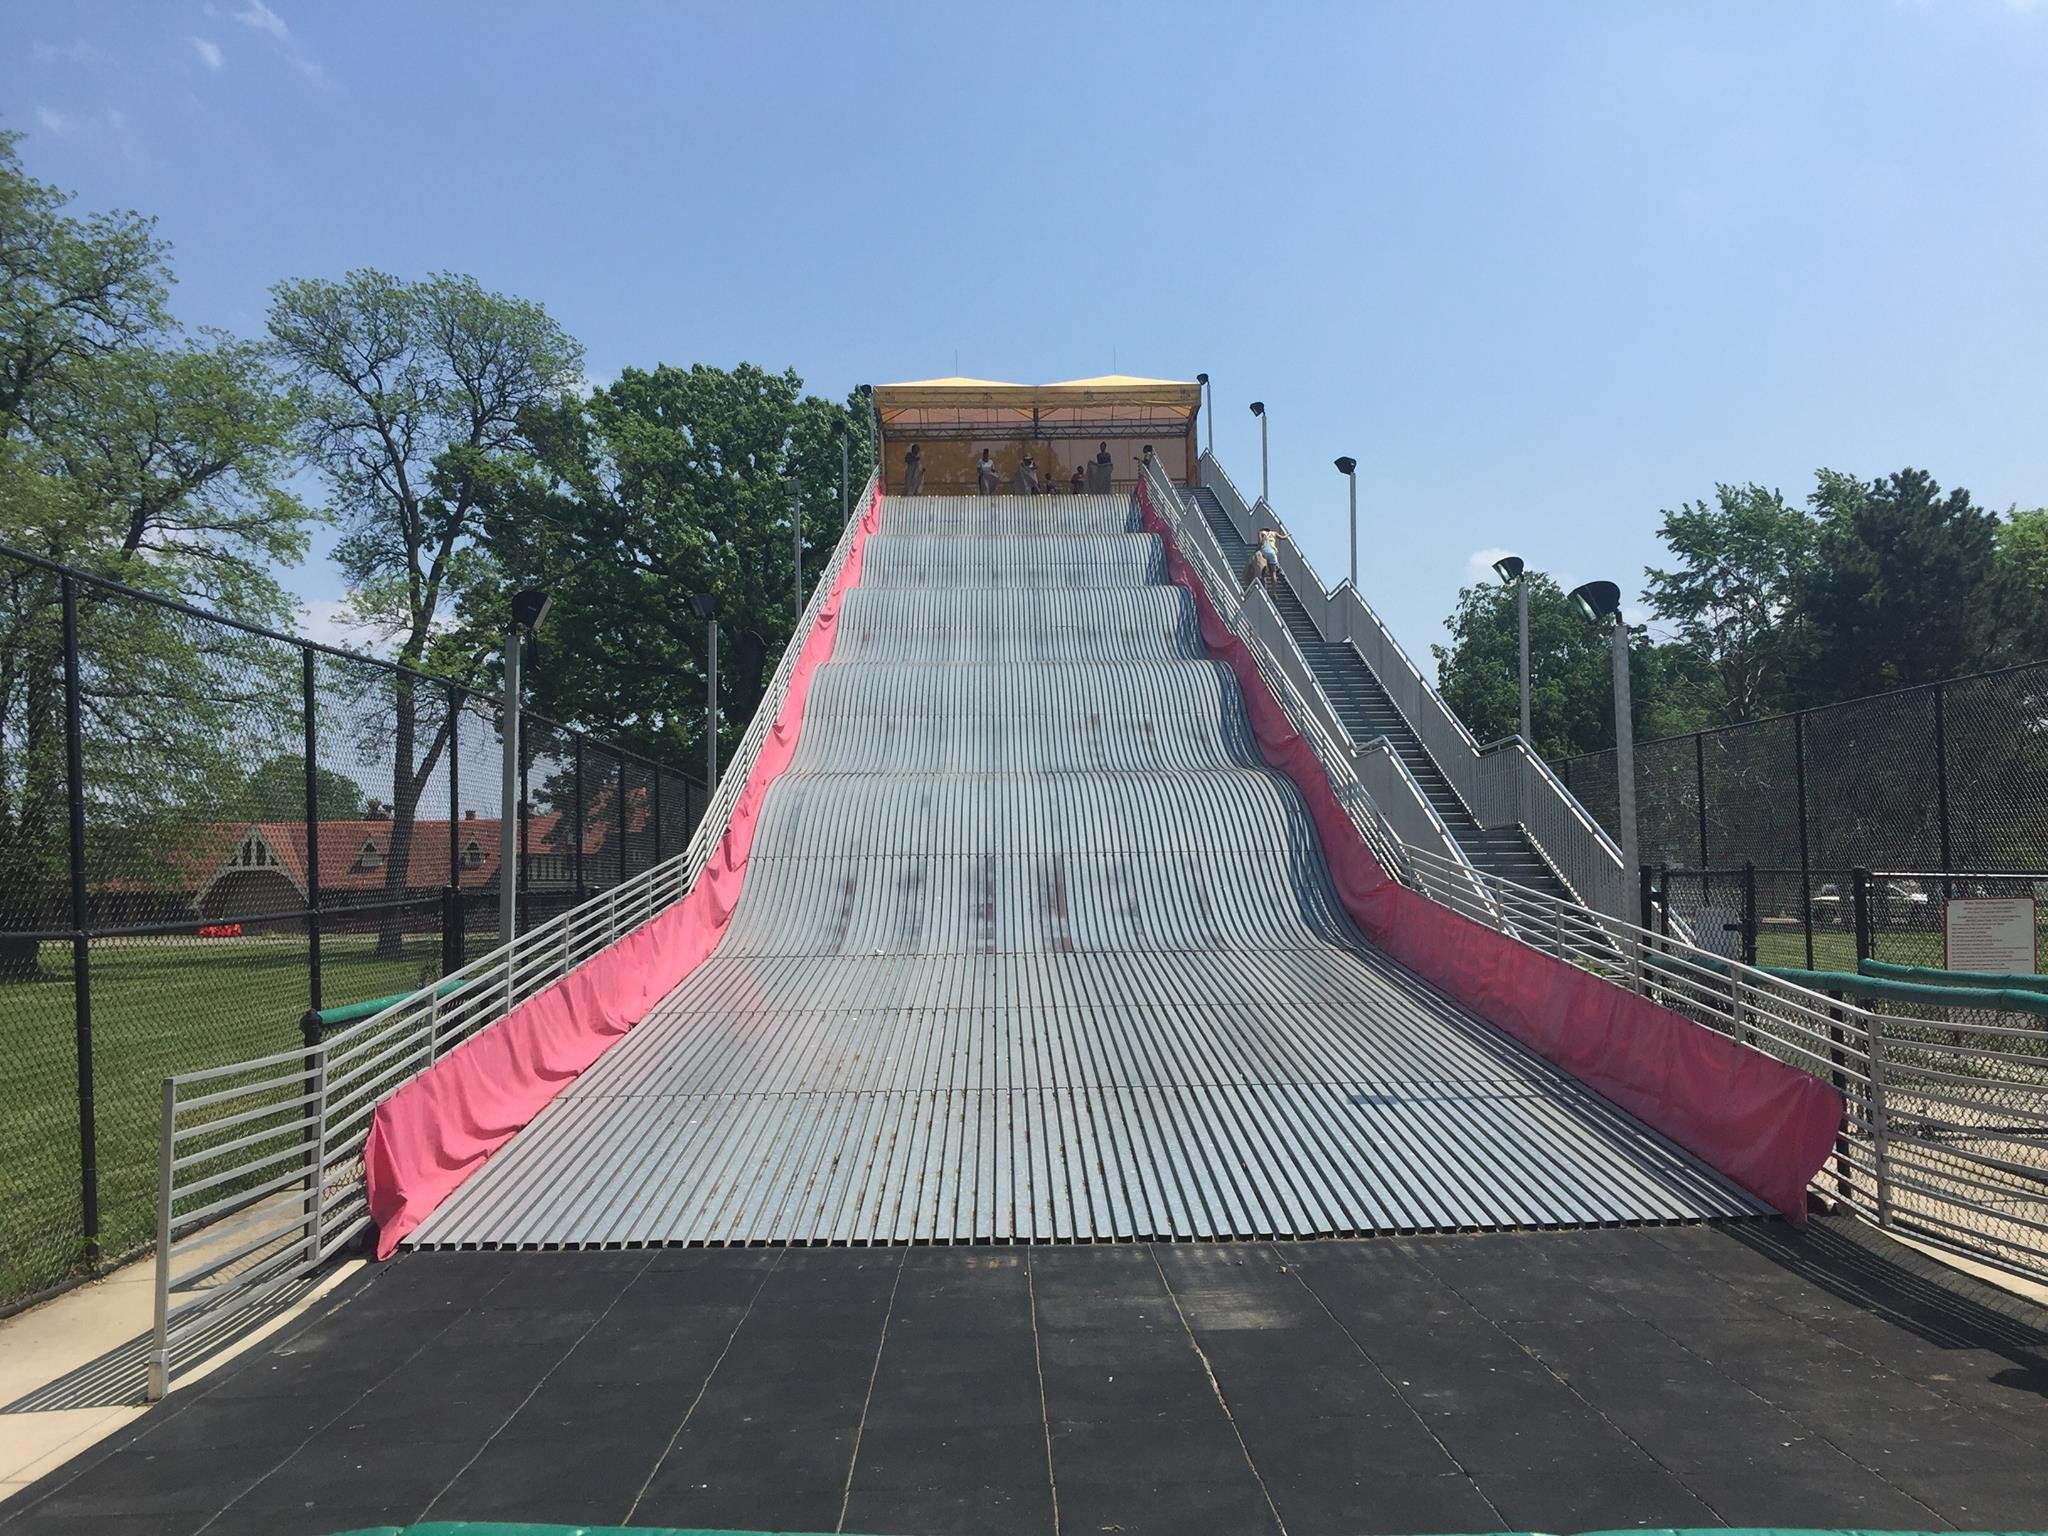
point(2004, 999)
point(2025, 981)
point(351, 1013)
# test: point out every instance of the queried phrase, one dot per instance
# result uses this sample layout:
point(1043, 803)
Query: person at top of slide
point(1265, 560)
point(913, 472)
point(1027, 477)
point(985, 475)
point(1098, 472)
point(1076, 480)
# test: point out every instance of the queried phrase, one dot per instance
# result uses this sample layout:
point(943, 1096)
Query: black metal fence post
point(1699, 773)
point(576, 818)
point(1860, 880)
point(1749, 914)
point(621, 817)
point(522, 901)
point(454, 941)
point(1805, 866)
point(1647, 900)
point(308, 686)
point(81, 946)
point(655, 773)
point(1941, 780)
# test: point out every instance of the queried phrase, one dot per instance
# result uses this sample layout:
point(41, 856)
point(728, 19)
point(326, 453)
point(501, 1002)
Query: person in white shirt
point(1265, 560)
point(985, 475)
point(913, 472)
point(1027, 477)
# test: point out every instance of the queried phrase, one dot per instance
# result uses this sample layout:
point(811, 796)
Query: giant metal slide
point(1034, 946)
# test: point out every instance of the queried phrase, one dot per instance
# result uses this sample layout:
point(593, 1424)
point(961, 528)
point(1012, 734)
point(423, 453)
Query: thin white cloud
point(260, 16)
point(108, 122)
point(79, 52)
point(1479, 564)
point(208, 51)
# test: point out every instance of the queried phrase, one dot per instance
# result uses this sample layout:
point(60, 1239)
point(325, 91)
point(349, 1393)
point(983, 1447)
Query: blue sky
point(1544, 269)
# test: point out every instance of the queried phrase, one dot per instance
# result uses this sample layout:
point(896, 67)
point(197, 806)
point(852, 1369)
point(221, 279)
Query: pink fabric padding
point(1763, 1124)
point(441, 1126)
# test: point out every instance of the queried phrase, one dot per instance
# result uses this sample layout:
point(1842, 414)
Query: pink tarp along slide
point(440, 1127)
point(1763, 1124)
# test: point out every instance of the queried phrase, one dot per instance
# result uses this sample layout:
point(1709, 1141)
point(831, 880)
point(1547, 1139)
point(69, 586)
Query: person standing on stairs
point(985, 475)
point(1265, 560)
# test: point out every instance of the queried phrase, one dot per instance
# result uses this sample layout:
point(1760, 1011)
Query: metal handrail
point(1913, 1155)
point(261, 1177)
point(1504, 784)
point(1340, 758)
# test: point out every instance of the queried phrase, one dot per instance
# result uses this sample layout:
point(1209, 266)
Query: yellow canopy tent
point(1059, 425)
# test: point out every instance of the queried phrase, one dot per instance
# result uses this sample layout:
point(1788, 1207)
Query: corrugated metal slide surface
point(1033, 946)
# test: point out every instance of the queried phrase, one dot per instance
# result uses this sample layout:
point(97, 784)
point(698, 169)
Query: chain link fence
point(206, 831)
point(1952, 776)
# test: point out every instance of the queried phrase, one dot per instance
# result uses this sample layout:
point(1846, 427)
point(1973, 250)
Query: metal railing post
point(160, 1340)
point(81, 945)
point(1880, 1130)
point(316, 1172)
point(1860, 881)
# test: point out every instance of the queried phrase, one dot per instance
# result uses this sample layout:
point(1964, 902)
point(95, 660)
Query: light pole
point(1348, 468)
point(873, 430)
point(1209, 408)
point(840, 428)
point(529, 608)
point(1509, 569)
point(795, 488)
point(1259, 410)
point(706, 605)
point(1600, 603)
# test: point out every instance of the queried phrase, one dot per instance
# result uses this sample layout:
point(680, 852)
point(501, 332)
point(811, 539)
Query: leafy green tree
point(665, 484)
point(275, 790)
point(138, 452)
point(1741, 564)
point(1571, 673)
point(1907, 586)
point(2022, 541)
point(412, 396)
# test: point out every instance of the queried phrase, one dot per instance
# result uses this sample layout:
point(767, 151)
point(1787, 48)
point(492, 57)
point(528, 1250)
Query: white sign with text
point(1991, 934)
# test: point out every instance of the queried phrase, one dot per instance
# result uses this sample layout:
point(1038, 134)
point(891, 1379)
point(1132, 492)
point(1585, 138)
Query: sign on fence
point(1994, 934)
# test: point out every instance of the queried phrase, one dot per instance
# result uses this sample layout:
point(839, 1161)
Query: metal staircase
point(1367, 712)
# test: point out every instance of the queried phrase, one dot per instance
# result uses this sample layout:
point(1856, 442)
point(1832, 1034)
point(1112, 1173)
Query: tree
point(2022, 543)
point(1742, 563)
point(411, 397)
point(665, 484)
point(134, 451)
point(1907, 586)
point(275, 790)
point(1571, 673)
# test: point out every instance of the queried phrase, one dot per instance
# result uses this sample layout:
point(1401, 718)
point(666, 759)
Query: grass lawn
point(160, 1006)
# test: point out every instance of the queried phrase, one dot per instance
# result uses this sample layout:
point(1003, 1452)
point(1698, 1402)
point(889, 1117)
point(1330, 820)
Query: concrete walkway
point(72, 1369)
